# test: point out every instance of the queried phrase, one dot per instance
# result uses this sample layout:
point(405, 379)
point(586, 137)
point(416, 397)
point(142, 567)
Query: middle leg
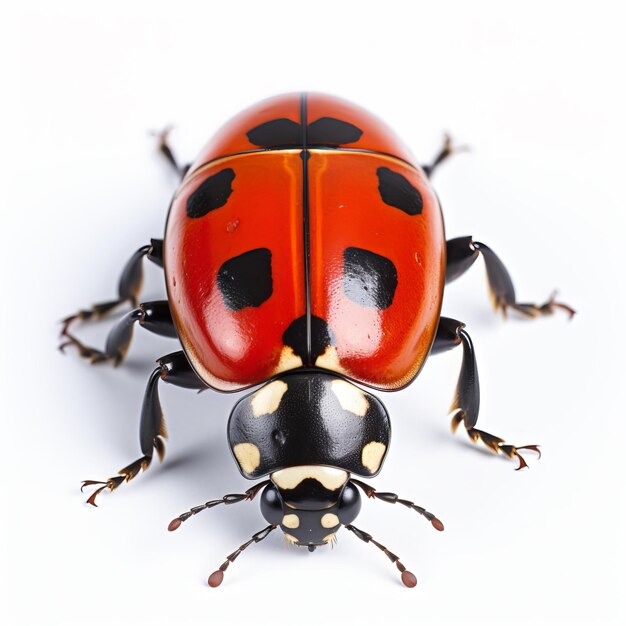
point(461, 254)
point(153, 316)
point(466, 401)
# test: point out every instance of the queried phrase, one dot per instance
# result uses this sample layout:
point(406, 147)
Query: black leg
point(392, 498)
point(128, 288)
point(166, 150)
point(447, 150)
point(153, 316)
point(216, 578)
point(461, 254)
point(466, 401)
point(231, 498)
point(174, 369)
point(408, 578)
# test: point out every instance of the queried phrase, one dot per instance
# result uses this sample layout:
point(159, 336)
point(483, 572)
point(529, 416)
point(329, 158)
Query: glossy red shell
point(268, 207)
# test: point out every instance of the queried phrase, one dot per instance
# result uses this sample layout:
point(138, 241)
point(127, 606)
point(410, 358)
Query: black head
point(310, 503)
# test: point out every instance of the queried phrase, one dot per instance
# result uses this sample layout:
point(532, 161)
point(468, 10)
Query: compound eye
point(271, 505)
point(349, 504)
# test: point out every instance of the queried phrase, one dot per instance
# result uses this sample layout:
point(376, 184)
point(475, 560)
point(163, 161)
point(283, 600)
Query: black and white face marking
point(246, 280)
point(212, 194)
point(309, 419)
point(369, 279)
point(283, 132)
point(310, 503)
point(396, 191)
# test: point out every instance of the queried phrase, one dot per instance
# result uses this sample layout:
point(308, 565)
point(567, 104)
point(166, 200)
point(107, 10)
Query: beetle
point(304, 251)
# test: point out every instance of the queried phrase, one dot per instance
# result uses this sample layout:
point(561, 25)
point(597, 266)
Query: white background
point(537, 89)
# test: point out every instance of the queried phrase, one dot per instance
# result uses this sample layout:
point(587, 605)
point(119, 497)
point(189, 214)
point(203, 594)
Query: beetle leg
point(393, 498)
point(165, 149)
point(153, 316)
point(461, 254)
point(408, 578)
point(447, 150)
point(230, 498)
point(216, 578)
point(466, 401)
point(128, 291)
point(174, 369)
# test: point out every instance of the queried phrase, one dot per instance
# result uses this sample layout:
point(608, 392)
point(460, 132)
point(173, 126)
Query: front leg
point(466, 401)
point(176, 370)
point(461, 254)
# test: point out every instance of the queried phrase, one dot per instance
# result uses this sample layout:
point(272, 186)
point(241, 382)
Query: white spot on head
point(267, 399)
point(372, 455)
point(291, 520)
point(330, 477)
point(350, 397)
point(330, 520)
point(248, 456)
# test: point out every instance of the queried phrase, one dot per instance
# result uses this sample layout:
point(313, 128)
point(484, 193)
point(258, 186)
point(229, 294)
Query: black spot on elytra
point(328, 131)
point(212, 194)
point(246, 280)
point(369, 279)
point(281, 132)
point(284, 133)
point(397, 191)
point(296, 338)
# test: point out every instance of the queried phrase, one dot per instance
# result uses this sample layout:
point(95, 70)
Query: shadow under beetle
point(304, 249)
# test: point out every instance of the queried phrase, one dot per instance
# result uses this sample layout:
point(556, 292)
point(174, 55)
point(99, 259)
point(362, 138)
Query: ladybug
point(305, 252)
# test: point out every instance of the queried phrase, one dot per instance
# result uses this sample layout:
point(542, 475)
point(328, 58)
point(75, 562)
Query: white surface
point(537, 89)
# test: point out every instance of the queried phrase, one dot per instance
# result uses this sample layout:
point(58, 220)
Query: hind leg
point(166, 150)
point(131, 279)
point(446, 151)
point(466, 403)
point(129, 287)
point(173, 369)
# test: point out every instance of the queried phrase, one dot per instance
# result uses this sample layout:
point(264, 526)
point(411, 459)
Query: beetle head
point(310, 503)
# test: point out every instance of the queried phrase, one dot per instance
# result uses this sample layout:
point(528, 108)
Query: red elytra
point(345, 277)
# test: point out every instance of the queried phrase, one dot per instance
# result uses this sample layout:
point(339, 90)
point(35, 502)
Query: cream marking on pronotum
point(291, 520)
point(267, 399)
point(372, 455)
point(248, 455)
point(350, 398)
point(330, 537)
point(329, 477)
point(329, 520)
